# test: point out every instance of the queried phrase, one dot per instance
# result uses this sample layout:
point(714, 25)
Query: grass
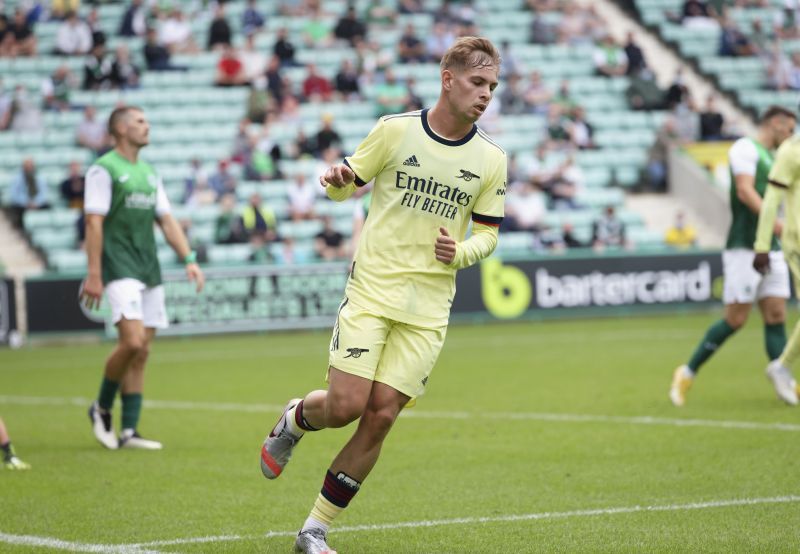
point(456, 456)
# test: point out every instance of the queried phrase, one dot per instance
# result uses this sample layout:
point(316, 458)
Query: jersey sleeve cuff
point(778, 184)
point(494, 221)
point(359, 181)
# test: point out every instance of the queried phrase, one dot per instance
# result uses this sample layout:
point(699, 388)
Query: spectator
point(508, 61)
point(677, 91)
point(73, 37)
point(7, 45)
point(407, 7)
point(91, 133)
point(410, 49)
point(258, 101)
point(56, 90)
point(349, 27)
point(6, 102)
point(327, 136)
point(734, 43)
point(254, 62)
point(134, 23)
point(696, 13)
point(317, 31)
point(557, 134)
point(329, 244)
point(608, 231)
point(28, 191)
point(302, 146)
point(156, 56)
point(347, 81)
point(284, 49)
point(228, 226)
point(202, 194)
point(687, 120)
point(266, 156)
point(230, 69)
point(25, 115)
point(277, 85)
point(643, 93)
point(681, 235)
point(301, 199)
point(175, 33)
point(581, 132)
point(196, 174)
point(564, 185)
point(793, 77)
point(526, 208)
point(574, 26)
point(72, 188)
point(779, 68)
point(219, 32)
point(223, 181)
point(124, 73)
point(537, 95)
point(415, 101)
point(609, 59)
point(636, 61)
point(290, 111)
point(391, 96)
point(97, 69)
point(541, 30)
point(315, 86)
point(253, 20)
point(568, 239)
point(658, 155)
point(380, 15)
point(711, 121)
point(24, 40)
point(440, 39)
point(259, 222)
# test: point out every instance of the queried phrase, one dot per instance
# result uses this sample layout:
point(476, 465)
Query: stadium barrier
point(268, 298)
point(8, 312)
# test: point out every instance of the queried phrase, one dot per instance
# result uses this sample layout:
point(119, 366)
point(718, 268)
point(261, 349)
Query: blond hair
point(467, 52)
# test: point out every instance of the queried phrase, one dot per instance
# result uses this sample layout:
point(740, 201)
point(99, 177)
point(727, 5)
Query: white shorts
point(132, 299)
point(745, 285)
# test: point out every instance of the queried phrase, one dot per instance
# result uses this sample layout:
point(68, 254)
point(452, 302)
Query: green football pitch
point(533, 437)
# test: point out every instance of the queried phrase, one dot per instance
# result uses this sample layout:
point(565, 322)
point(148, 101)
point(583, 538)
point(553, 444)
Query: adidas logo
point(412, 161)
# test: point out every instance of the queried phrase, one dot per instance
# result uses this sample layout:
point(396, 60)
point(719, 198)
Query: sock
point(131, 409)
point(713, 339)
point(108, 391)
point(295, 421)
point(774, 340)
point(337, 492)
point(8, 452)
point(792, 349)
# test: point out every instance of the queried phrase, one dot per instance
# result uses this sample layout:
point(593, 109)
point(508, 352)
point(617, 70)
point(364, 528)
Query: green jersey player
point(124, 199)
point(750, 162)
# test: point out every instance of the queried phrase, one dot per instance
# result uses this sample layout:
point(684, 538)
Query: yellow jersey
point(422, 182)
point(784, 180)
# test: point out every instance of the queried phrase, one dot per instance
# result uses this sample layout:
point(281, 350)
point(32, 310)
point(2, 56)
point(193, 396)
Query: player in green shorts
point(124, 198)
point(435, 171)
point(750, 162)
point(784, 183)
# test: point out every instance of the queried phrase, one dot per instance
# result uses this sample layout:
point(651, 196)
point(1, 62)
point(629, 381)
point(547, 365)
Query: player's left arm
point(487, 214)
point(176, 238)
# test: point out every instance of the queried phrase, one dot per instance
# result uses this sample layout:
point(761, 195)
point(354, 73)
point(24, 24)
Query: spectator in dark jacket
point(349, 27)
point(219, 33)
point(283, 48)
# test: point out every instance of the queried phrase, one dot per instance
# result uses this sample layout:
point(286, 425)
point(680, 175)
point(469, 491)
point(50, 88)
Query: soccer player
point(784, 182)
point(10, 460)
point(124, 198)
point(434, 170)
point(750, 162)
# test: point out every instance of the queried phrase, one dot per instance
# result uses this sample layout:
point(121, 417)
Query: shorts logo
point(467, 175)
point(356, 352)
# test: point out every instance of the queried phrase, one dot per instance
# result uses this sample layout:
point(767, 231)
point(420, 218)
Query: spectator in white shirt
point(74, 37)
point(301, 199)
point(91, 133)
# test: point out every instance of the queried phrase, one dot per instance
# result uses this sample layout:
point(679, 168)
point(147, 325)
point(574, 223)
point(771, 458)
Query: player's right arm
point(782, 176)
point(340, 180)
point(97, 202)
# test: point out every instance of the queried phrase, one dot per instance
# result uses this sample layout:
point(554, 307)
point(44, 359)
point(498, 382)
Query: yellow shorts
point(380, 349)
point(793, 260)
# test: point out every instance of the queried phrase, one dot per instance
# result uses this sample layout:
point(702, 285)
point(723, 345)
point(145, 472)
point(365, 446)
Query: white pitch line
point(492, 519)
point(422, 414)
point(57, 544)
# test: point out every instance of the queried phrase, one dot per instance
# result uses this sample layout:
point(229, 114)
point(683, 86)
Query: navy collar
point(463, 140)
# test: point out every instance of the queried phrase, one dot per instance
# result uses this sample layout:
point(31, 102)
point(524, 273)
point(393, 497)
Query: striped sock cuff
point(299, 420)
point(339, 489)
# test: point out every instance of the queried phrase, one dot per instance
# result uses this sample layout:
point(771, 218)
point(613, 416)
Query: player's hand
point(761, 262)
point(445, 247)
point(194, 273)
point(338, 175)
point(778, 229)
point(92, 292)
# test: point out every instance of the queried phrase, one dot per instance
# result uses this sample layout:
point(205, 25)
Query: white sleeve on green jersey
point(743, 157)
point(371, 155)
point(489, 208)
point(97, 196)
point(162, 202)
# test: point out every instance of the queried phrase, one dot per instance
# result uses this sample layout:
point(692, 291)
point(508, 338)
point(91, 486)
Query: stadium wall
point(271, 298)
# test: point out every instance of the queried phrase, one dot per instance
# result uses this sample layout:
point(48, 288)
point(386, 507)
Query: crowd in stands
point(550, 181)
